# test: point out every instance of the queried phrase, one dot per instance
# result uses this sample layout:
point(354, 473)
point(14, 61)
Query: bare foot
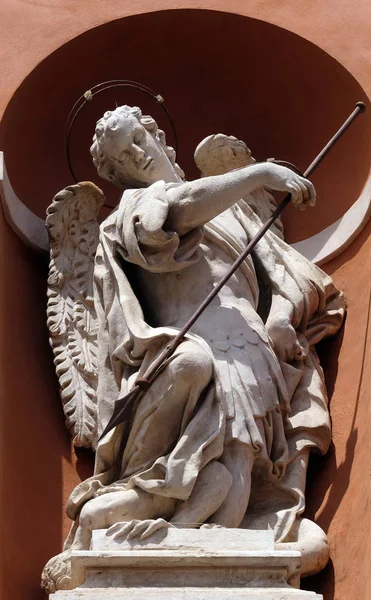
point(137, 529)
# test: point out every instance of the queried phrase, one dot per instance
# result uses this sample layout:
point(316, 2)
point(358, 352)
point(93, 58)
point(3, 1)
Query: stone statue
point(223, 435)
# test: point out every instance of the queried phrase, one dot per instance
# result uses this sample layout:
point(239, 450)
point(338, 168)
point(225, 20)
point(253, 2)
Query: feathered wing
point(71, 317)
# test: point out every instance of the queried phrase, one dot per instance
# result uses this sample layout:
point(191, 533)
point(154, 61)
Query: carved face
point(137, 154)
point(218, 154)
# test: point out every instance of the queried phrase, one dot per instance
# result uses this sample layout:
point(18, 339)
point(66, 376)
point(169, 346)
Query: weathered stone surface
point(213, 539)
point(199, 566)
point(198, 593)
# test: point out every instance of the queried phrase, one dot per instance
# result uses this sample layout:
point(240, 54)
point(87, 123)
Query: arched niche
point(218, 72)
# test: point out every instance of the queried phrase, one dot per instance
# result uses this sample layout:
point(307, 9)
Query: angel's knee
point(86, 517)
point(193, 363)
point(94, 515)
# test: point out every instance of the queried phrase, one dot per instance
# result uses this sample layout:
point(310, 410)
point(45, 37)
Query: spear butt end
point(361, 106)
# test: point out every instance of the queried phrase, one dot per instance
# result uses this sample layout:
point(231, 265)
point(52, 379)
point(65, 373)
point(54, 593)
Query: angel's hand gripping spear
point(124, 405)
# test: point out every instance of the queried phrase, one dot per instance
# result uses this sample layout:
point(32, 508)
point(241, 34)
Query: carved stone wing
point(71, 317)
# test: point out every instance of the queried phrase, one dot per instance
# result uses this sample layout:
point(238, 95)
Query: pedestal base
point(187, 564)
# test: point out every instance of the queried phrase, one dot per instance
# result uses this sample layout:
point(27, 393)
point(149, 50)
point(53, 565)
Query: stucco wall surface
point(39, 467)
point(33, 29)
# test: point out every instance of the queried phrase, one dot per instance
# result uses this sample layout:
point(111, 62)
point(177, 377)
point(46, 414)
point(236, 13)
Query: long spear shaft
point(124, 405)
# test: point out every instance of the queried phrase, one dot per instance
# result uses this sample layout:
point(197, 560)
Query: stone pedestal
point(187, 564)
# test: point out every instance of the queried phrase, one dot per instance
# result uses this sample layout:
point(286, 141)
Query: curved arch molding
point(30, 228)
point(318, 248)
point(267, 115)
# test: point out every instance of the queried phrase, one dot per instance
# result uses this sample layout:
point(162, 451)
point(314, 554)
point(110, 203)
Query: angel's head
point(130, 150)
point(219, 154)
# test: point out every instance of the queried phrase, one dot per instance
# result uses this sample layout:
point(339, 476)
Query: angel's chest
point(173, 297)
point(232, 229)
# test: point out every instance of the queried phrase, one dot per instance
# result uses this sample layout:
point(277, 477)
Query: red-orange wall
point(39, 467)
point(339, 491)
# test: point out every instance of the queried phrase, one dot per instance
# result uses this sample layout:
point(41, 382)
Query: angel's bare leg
point(209, 492)
point(111, 508)
point(239, 460)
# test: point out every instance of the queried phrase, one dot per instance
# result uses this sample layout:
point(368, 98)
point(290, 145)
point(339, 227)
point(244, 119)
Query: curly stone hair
point(105, 164)
point(214, 155)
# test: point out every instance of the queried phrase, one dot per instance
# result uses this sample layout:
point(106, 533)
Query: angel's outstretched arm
point(195, 203)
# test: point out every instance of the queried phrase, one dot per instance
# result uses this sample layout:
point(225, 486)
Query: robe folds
point(298, 421)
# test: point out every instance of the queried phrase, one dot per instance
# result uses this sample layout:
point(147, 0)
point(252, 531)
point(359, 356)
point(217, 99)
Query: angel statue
point(223, 435)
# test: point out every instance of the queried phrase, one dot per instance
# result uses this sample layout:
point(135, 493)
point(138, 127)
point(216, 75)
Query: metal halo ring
point(97, 89)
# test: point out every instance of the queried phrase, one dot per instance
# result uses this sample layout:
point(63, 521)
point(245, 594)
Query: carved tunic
point(251, 378)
